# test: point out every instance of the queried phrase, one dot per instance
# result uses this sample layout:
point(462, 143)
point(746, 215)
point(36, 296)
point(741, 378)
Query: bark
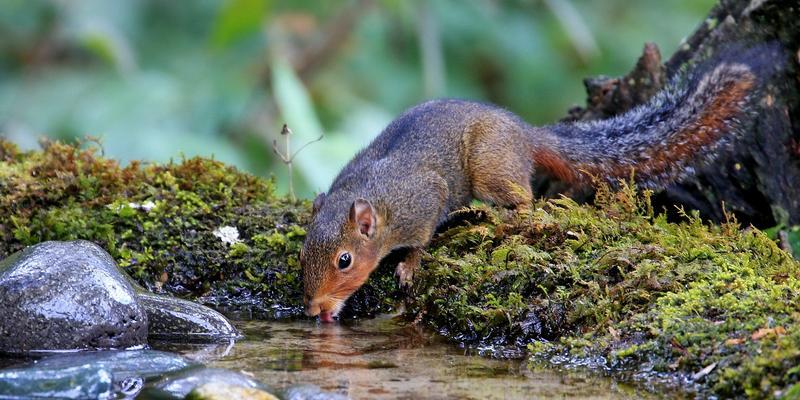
point(758, 178)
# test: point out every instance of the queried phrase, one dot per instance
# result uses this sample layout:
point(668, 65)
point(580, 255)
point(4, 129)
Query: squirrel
point(439, 155)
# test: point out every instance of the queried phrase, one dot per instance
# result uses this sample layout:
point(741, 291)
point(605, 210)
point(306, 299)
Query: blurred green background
point(158, 79)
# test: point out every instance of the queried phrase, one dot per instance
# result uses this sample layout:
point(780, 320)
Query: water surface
point(381, 359)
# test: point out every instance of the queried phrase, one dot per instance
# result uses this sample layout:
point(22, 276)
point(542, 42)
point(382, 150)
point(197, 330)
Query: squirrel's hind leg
point(500, 171)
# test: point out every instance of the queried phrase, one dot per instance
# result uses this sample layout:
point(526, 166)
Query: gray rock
point(174, 319)
point(181, 383)
point(80, 382)
point(224, 391)
point(67, 295)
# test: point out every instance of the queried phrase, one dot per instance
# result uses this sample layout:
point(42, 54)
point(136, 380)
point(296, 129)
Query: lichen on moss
point(158, 223)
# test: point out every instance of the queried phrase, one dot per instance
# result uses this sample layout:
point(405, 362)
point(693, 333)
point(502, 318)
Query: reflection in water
point(197, 352)
point(381, 359)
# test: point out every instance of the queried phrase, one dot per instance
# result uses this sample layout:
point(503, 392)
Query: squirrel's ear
point(362, 214)
point(317, 203)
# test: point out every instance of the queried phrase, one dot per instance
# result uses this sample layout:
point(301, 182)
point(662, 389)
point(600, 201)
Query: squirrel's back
point(434, 135)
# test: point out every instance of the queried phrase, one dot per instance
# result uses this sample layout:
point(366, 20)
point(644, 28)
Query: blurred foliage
point(157, 79)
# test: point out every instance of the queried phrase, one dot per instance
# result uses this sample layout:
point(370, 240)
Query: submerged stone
point(175, 319)
point(183, 382)
point(127, 371)
point(224, 391)
point(78, 382)
point(67, 295)
point(122, 364)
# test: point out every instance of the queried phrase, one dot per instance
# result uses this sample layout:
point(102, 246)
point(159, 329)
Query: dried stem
point(288, 157)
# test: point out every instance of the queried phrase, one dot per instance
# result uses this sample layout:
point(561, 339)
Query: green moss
point(158, 223)
point(617, 285)
point(237, 251)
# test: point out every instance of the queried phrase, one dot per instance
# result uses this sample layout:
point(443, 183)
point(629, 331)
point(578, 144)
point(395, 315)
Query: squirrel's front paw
point(405, 274)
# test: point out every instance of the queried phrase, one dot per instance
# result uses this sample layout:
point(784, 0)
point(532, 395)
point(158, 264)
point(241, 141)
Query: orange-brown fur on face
point(328, 287)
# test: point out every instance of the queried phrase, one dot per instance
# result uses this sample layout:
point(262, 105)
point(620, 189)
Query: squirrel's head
point(340, 251)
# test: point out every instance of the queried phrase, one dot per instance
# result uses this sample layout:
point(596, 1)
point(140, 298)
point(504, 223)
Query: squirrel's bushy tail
point(660, 142)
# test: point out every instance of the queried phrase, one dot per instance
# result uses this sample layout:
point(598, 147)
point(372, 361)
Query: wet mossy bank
point(195, 228)
point(616, 287)
point(611, 285)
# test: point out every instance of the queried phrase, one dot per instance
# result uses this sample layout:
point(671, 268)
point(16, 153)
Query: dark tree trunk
point(758, 179)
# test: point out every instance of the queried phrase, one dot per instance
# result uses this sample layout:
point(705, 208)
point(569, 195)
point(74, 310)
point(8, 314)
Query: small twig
point(306, 145)
point(287, 156)
point(277, 152)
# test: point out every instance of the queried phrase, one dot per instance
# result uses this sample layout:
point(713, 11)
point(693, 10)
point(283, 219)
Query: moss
point(158, 223)
point(620, 288)
point(238, 250)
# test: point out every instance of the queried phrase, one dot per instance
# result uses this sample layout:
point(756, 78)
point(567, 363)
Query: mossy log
point(759, 178)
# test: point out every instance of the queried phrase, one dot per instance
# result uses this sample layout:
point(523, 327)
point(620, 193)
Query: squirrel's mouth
point(326, 316)
point(326, 311)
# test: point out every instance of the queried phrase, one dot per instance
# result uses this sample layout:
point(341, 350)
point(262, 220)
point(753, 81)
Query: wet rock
point(311, 392)
point(127, 371)
point(544, 323)
point(183, 382)
point(79, 382)
point(123, 365)
point(67, 295)
point(174, 319)
point(224, 391)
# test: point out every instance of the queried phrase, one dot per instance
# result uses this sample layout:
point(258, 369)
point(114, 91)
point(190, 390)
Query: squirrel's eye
point(345, 260)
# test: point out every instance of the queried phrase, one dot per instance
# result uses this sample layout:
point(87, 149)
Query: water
point(381, 359)
point(365, 359)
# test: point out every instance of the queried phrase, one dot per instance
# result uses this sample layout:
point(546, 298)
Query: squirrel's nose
point(312, 310)
point(312, 307)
